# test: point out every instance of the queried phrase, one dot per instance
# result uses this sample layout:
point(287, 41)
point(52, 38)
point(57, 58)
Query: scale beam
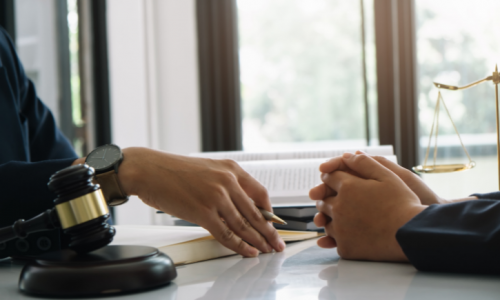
point(457, 88)
point(495, 77)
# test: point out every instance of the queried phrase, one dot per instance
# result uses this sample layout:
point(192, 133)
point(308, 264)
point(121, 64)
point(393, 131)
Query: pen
point(267, 215)
point(271, 217)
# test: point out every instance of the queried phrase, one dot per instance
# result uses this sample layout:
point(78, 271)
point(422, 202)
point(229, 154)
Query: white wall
point(154, 82)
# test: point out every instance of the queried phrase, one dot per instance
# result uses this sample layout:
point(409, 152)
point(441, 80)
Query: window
point(457, 49)
point(47, 43)
point(302, 73)
point(37, 46)
point(63, 47)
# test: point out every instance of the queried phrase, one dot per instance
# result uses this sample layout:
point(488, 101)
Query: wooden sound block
point(110, 270)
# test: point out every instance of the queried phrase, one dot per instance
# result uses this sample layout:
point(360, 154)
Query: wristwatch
point(105, 160)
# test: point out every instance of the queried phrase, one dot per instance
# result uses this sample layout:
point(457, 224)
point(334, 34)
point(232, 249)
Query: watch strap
point(111, 188)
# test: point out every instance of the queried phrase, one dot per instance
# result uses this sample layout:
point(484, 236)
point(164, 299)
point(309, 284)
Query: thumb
point(366, 167)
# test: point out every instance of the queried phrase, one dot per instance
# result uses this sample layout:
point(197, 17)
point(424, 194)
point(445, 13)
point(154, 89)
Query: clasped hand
point(363, 201)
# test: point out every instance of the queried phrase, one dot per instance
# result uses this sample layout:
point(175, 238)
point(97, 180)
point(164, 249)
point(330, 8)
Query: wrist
point(406, 217)
point(79, 161)
point(443, 201)
point(440, 200)
point(129, 172)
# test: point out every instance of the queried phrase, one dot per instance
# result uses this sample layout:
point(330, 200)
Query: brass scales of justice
point(446, 168)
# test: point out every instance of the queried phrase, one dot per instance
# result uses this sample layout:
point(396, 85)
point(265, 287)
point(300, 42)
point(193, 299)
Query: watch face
point(104, 157)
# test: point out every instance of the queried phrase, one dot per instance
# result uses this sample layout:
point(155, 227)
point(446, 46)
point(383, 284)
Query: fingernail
point(282, 246)
point(347, 155)
point(253, 252)
point(269, 249)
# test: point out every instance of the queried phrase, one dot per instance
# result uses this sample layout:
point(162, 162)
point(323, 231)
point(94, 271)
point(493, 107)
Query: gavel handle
point(20, 229)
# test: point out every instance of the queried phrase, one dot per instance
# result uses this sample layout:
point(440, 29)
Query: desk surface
point(303, 271)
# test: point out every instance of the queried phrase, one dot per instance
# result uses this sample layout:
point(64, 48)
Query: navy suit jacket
point(460, 237)
point(31, 146)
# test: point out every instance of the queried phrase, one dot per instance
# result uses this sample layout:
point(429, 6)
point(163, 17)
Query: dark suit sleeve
point(491, 196)
point(459, 237)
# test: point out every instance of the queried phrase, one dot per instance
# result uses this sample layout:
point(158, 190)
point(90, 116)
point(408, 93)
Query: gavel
point(80, 211)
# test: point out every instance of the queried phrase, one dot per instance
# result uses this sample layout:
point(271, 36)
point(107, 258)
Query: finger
point(332, 165)
point(321, 191)
point(320, 219)
point(228, 238)
point(394, 167)
point(401, 172)
point(337, 179)
point(325, 207)
point(254, 189)
point(327, 242)
point(265, 230)
point(366, 166)
point(336, 164)
point(261, 234)
point(242, 228)
point(245, 219)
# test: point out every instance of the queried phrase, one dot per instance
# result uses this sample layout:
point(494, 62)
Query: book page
point(250, 156)
point(284, 178)
point(163, 236)
point(288, 181)
point(156, 236)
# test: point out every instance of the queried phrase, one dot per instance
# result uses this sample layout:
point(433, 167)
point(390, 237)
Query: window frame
point(219, 76)
point(396, 76)
point(395, 40)
point(7, 17)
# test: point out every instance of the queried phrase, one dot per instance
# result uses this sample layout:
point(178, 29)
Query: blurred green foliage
point(301, 70)
point(456, 45)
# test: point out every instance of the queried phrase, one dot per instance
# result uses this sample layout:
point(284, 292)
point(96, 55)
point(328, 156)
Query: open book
point(288, 176)
point(186, 244)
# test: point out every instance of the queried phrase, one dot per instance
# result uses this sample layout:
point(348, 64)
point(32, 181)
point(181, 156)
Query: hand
point(362, 214)
point(214, 194)
point(413, 181)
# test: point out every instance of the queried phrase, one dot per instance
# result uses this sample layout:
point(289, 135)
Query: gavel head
point(81, 208)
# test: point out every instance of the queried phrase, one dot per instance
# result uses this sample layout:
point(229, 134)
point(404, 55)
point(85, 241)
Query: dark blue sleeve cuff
point(460, 237)
point(492, 196)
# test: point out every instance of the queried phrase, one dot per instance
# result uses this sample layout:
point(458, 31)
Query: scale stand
point(495, 78)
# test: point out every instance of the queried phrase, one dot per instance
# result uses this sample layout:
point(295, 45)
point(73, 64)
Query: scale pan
point(444, 168)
